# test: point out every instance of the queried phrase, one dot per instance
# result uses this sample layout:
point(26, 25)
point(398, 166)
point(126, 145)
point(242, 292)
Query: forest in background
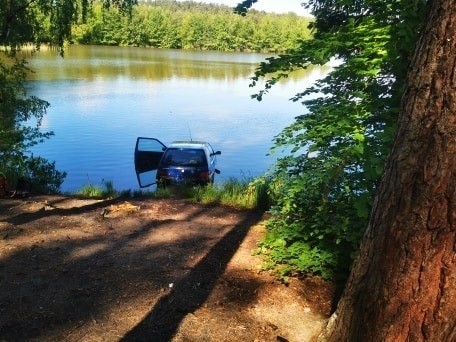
point(191, 25)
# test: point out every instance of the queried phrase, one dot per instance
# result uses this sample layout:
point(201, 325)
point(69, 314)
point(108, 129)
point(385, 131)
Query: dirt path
point(144, 270)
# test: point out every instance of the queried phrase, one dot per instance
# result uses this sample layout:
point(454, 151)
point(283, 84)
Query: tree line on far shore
point(191, 25)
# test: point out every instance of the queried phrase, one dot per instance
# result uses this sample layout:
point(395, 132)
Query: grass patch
point(245, 193)
point(94, 191)
point(252, 194)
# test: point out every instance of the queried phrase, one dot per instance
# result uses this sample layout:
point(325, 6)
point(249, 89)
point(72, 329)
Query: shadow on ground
point(191, 291)
point(68, 272)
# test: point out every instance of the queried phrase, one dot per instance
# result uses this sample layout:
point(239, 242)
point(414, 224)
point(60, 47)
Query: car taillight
point(204, 175)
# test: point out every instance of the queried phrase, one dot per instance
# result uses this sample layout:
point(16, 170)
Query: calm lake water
point(102, 98)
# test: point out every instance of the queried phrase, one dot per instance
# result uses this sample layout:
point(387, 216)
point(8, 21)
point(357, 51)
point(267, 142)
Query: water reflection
point(91, 62)
point(102, 98)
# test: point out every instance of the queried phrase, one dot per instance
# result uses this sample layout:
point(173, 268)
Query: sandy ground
point(145, 270)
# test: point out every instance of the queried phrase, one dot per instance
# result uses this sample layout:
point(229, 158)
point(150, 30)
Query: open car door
point(148, 152)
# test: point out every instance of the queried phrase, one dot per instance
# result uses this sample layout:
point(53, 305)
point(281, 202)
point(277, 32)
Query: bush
point(311, 231)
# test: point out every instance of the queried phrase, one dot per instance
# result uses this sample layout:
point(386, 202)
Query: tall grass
point(94, 191)
point(240, 193)
point(245, 193)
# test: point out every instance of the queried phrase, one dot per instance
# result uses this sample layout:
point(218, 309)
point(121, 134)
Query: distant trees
point(189, 25)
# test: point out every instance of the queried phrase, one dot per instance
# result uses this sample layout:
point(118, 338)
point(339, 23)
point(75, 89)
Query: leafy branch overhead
point(244, 6)
point(325, 186)
point(25, 22)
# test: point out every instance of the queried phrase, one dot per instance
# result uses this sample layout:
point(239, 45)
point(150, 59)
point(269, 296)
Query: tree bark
point(403, 283)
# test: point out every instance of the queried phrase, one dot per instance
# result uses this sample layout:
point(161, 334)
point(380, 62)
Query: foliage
point(34, 22)
point(189, 25)
point(31, 22)
point(244, 6)
point(251, 194)
point(20, 120)
point(339, 147)
point(90, 191)
point(94, 191)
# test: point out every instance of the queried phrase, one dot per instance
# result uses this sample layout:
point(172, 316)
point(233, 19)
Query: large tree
point(403, 284)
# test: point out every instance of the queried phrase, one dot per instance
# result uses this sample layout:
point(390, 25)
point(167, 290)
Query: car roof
point(188, 144)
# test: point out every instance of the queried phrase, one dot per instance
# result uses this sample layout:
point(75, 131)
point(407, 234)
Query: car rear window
point(183, 157)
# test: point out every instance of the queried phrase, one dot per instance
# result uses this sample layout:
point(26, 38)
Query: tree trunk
point(403, 283)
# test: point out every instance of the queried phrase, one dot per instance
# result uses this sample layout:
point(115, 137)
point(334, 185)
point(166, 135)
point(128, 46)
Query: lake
point(103, 98)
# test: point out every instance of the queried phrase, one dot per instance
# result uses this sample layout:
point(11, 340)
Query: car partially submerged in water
point(180, 163)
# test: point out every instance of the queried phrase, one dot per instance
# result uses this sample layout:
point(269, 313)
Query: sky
point(277, 6)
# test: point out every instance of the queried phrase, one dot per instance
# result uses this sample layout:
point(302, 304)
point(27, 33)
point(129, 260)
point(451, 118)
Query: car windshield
point(183, 157)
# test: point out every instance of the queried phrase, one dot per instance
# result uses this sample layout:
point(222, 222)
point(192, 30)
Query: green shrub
point(312, 230)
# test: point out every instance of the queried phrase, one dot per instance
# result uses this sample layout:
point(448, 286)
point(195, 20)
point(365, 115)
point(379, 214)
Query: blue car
point(180, 163)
